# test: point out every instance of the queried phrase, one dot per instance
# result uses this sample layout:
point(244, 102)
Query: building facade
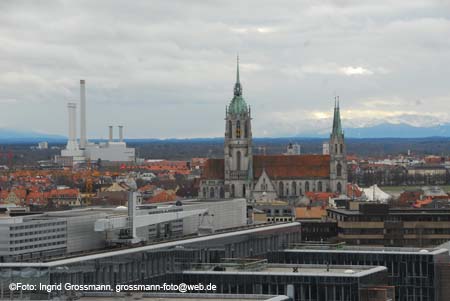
point(240, 174)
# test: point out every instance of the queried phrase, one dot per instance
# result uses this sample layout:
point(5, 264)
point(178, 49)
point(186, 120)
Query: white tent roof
point(375, 191)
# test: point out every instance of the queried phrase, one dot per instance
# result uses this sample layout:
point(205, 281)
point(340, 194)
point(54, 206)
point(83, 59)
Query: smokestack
point(121, 133)
point(110, 133)
point(72, 142)
point(82, 114)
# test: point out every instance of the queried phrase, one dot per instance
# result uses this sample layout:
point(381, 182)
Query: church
point(240, 174)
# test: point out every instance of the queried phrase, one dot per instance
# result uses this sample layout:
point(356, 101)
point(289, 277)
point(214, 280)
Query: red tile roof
point(277, 167)
point(214, 169)
point(292, 167)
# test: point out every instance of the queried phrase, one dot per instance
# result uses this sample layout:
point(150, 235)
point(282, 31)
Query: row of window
point(36, 232)
point(32, 226)
point(36, 239)
point(238, 132)
point(38, 246)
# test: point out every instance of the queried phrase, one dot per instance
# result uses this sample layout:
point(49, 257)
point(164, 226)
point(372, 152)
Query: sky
point(166, 69)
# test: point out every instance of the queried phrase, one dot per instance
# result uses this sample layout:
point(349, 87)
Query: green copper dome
point(238, 104)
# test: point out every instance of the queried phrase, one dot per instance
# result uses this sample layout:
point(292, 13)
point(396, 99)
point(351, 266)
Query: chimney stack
point(83, 140)
point(110, 133)
point(121, 133)
point(72, 142)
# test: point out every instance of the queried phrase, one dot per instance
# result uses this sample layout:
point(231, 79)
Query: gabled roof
point(280, 167)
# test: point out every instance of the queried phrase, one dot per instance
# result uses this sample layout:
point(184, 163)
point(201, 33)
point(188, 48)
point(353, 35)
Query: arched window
point(294, 188)
point(319, 186)
point(222, 193)
point(339, 170)
point(342, 148)
point(335, 149)
point(230, 129)
point(339, 187)
point(306, 186)
point(246, 129)
point(211, 192)
point(281, 188)
point(238, 160)
point(238, 129)
point(204, 192)
point(243, 190)
point(232, 191)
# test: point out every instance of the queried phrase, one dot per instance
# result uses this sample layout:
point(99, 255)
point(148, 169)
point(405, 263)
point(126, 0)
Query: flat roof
point(184, 297)
point(303, 270)
point(374, 250)
point(175, 243)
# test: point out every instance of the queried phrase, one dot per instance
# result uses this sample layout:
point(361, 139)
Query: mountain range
point(383, 130)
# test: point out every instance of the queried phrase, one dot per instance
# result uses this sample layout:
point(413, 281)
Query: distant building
point(293, 149)
point(43, 145)
point(242, 174)
point(111, 151)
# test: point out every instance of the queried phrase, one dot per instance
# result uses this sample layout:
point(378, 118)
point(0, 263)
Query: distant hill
point(17, 136)
point(389, 130)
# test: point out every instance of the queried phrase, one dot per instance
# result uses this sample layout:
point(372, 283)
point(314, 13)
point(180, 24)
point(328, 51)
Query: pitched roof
point(214, 169)
point(291, 167)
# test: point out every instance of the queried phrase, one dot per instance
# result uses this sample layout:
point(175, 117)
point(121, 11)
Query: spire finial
point(237, 85)
point(237, 69)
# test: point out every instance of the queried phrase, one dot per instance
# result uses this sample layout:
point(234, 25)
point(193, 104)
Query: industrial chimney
point(83, 139)
point(120, 133)
point(72, 142)
point(110, 133)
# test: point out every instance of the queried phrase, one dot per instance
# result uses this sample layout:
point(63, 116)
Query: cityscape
point(224, 189)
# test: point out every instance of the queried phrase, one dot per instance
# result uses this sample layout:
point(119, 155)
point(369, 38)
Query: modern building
point(416, 274)
point(61, 233)
point(148, 264)
point(242, 174)
point(79, 152)
point(299, 282)
point(378, 224)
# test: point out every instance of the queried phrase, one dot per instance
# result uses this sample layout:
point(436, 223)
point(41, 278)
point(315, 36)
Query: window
point(294, 188)
point(339, 170)
point(238, 129)
point(238, 160)
point(335, 149)
point(232, 190)
point(246, 130)
point(342, 148)
point(281, 188)
point(307, 186)
point(222, 193)
point(319, 186)
point(243, 190)
point(339, 187)
point(230, 129)
point(211, 192)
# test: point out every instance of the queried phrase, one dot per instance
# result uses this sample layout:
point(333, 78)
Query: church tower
point(238, 145)
point(338, 155)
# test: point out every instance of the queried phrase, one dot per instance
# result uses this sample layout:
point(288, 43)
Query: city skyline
point(162, 78)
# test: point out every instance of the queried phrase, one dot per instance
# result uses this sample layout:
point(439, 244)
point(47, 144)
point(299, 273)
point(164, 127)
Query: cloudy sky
point(167, 68)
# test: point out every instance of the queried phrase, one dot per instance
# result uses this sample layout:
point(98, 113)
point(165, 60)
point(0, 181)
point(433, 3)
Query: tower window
point(238, 129)
point(238, 160)
point(339, 187)
point(230, 129)
point(342, 148)
point(339, 170)
point(335, 149)
point(246, 129)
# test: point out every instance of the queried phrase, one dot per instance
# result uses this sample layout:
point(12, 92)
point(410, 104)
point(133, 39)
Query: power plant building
point(79, 152)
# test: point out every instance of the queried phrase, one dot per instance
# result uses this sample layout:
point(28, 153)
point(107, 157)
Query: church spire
point(237, 85)
point(337, 128)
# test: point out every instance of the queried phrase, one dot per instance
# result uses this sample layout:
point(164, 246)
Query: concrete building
point(377, 224)
point(112, 150)
point(155, 263)
point(416, 274)
point(244, 175)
